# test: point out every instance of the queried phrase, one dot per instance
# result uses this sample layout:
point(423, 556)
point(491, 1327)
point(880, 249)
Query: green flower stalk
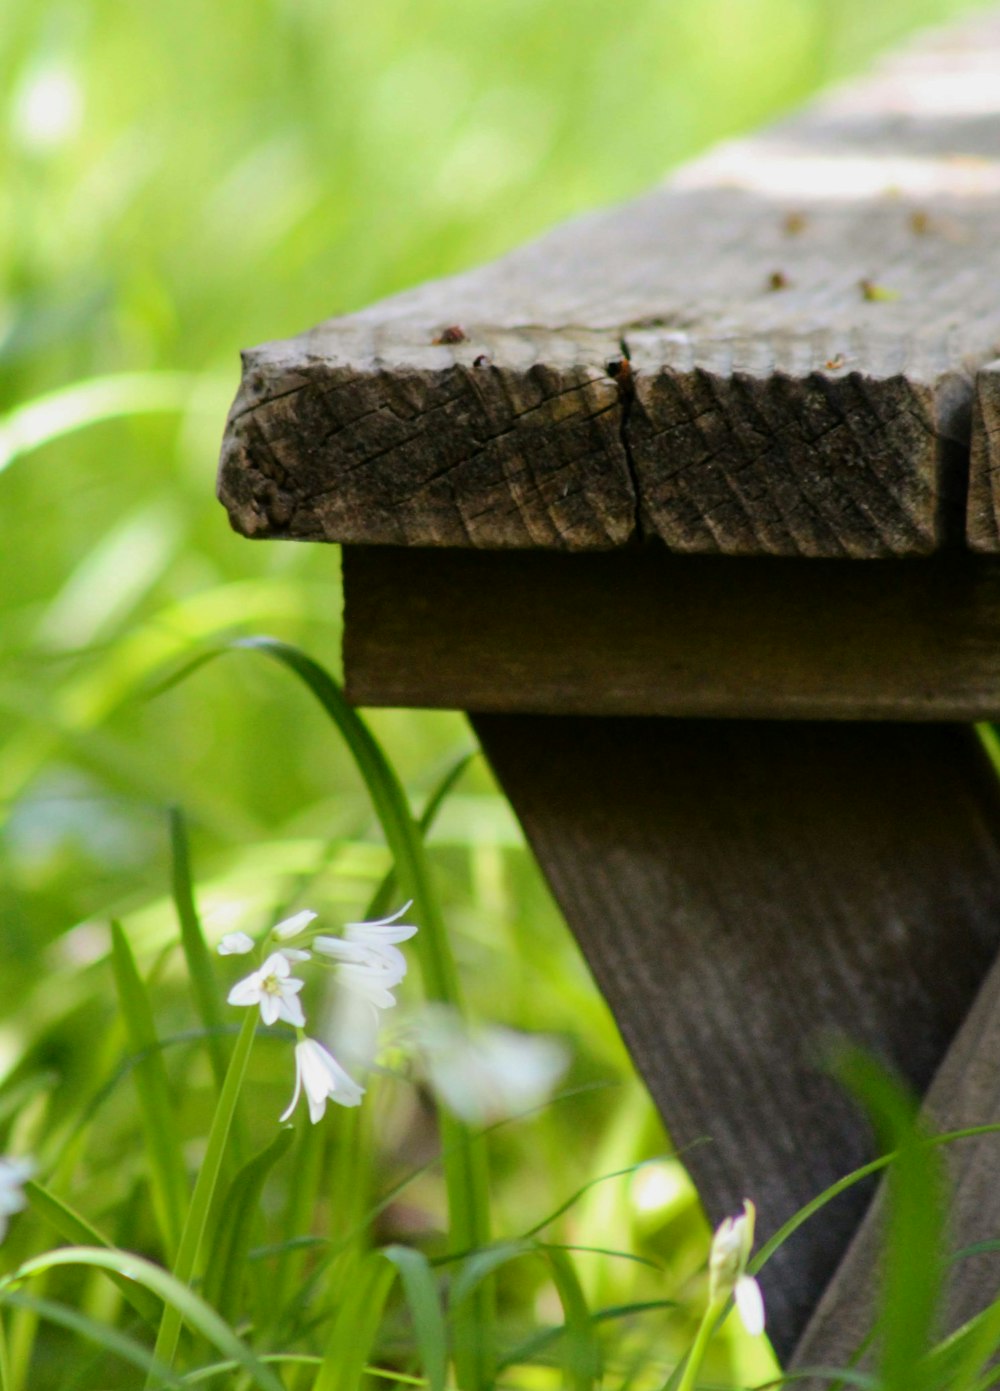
point(727, 1279)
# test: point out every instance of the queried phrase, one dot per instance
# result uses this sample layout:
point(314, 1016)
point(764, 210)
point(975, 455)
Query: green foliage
point(176, 182)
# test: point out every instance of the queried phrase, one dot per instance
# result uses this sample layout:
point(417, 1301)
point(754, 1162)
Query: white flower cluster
point(369, 963)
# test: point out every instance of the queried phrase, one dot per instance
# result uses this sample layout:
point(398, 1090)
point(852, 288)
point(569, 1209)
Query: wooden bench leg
point(965, 1092)
point(747, 892)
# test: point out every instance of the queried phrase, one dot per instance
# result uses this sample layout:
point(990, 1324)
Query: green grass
point(225, 174)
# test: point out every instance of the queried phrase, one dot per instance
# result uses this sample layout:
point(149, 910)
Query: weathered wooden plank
point(804, 311)
point(645, 633)
point(965, 1092)
point(746, 892)
point(983, 526)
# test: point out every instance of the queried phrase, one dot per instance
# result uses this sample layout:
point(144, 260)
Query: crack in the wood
point(621, 372)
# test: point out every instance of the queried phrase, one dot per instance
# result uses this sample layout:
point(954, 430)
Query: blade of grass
point(769, 1247)
point(539, 1341)
point(186, 1264)
point(381, 901)
point(72, 1227)
point(355, 1325)
point(191, 1309)
point(94, 1330)
point(912, 1265)
point(583, 1358)
point(84, 403)
point(959, 1359)
point(167, 1177)
point(227, 1264)
point(424, 1299)
point(204, 986)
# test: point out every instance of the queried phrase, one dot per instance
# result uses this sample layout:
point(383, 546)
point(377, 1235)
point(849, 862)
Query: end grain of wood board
point(984, 472)
point(646, 633)
point(804, 312)
point(747, 893)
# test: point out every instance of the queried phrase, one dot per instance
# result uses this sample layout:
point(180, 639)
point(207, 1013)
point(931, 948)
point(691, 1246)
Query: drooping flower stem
point(186, 1264)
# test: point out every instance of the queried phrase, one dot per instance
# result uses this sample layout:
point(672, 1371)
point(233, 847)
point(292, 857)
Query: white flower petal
point(290, 1009)
point(277, 964)
point(392, 918)
point(297, 1092)
point(235, 944)
point(383, 930)
point(291, 927)
point(322, 1077)
point(246, 991)
point(296, 954)
point(338, 948)
point(368, 987)
point(750, 1303)
point(270, 1008)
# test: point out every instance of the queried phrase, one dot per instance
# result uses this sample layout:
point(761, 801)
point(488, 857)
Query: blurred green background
point(178, 181)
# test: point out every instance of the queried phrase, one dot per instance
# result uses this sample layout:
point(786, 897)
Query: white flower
point(14, 1173)
point(235, 944)
point(370, 963)
point(727, 1268)
point(371, 980)
point(367, 943)
point(273, 989)
point(487, 1074)
point(322, 1077)
point(291, 927)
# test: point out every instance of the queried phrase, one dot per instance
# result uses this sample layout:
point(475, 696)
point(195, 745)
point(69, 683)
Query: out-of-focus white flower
point(14, 1174)
point(371, 965)
point(727, 1268)
point(318, 1073)
point(274, 989)
point(291, 927)
point(486, 1074)
point(235, 944)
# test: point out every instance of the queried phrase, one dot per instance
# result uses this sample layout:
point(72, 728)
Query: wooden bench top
point(777, 353)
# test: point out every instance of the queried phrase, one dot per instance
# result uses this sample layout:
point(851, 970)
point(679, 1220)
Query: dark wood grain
point(645, 633)
point(965, 1092)
point(826, 417)
point(984, 470)
point(745, 893)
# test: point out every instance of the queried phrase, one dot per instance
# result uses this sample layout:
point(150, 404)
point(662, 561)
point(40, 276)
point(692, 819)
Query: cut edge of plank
point(983, 520)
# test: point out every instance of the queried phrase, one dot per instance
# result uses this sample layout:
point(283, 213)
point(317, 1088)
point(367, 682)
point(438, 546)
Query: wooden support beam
point(744, 893)
point(965, 1092)
point(645, 633)
point(804, 312)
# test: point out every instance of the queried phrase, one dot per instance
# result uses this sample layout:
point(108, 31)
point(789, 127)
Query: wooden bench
point(694, 506)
